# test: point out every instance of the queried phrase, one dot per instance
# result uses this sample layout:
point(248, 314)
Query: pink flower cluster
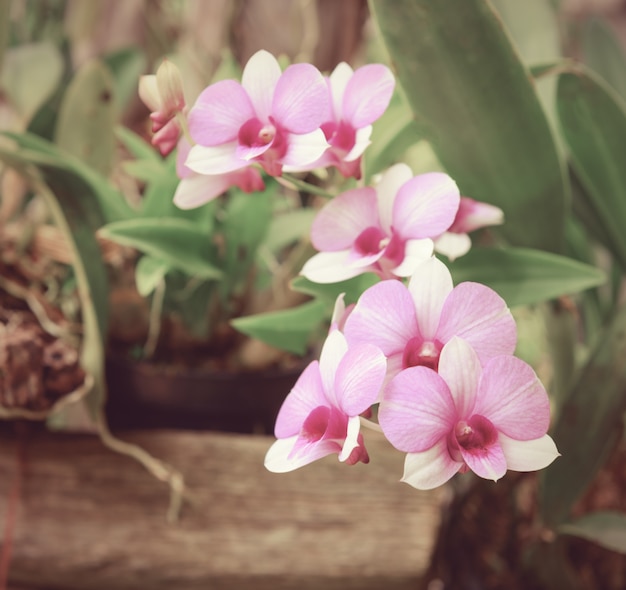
point(272, 121)
point(393, 227)
point(438, 360)
point(299, 120)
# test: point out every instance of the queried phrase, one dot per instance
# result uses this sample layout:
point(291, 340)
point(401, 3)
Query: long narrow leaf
point(589, 425)
point(475, 102)
point(86, 121)
point(523, 276)
point(51, 161)
point(289, 329)
point(593, 123)
point(180, 243)
point(607, 529)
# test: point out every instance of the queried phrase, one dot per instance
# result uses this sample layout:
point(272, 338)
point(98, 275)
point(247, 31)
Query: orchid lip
point(420, 352)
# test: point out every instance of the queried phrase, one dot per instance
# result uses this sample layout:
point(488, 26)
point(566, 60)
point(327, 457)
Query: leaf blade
point(463, 80)
point(523, 276)
point(179, 242)
point(607, 529)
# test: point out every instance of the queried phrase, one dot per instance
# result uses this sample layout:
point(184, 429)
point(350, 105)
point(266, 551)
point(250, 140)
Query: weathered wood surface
point(90, 519)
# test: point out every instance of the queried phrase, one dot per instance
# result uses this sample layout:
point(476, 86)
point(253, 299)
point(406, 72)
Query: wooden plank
point(90, 519)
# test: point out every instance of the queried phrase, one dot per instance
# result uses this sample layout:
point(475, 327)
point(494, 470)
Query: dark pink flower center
point(323, 423)
point(422, 353)
point(253, 133)
point(475, 434)
point(395, 249)
point(371, 241)
point(341, 136)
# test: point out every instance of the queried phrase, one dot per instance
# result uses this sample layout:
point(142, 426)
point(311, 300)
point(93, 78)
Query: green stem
point(296, 184)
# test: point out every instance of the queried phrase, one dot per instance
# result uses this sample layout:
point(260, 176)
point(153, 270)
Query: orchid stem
point(154, 326)
point(300, 185)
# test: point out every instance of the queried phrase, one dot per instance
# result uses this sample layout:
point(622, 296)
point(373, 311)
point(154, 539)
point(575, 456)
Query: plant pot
point(146, 395)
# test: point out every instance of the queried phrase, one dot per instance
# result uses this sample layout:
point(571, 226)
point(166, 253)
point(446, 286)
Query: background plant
point(499, 110)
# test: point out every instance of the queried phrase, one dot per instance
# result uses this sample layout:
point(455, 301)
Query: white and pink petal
point(361, 141)
point(331, 267)
point(473, 215)
point(387, 189)
point(488, 463)
point(259, 79)
point(359, 378)
point(303, 151)
point(280, 458)
point(352, 438)
point(219, 113)
point(453, 245)
point(367, 95)
point(528, 455)
point(306, 395)
point(429, 286)
point(417, 410)
point(459, 367)
point(430, 469)
point(337, 81)
point(340, 222)
point(333, 351)
point(198, 189)
point(301, 99)
point(214, 160)
point(425, 206)
point(480, 316)
point(415, 252)
point(383, 316)
point(513, 398)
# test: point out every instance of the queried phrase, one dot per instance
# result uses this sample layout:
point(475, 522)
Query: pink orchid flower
point(472, 215)
point(412, 324)
point(271, 118)
point(357, 99)
point(197, 189)
point(163, 95)
point(320, 416)
point(487, 419)
point(387, 230)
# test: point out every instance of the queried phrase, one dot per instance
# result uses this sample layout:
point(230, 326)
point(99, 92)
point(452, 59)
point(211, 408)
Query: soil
point(37, 368)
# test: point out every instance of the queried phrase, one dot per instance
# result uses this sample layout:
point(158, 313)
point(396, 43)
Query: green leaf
point(593, 124)
point(159, 194)
point(392, 135)
point(86, 122)
point(126, 65)
point(52, 161)
point(149, 272)
point(603, 53)
point(533, 27)
point(589, 425)
point(475, 102)
point(353, 288)
point(137, 145)
point(144, 170)
point(30, 75)
point(75, 210)
point(289, 227)
point(522, 276)
point(607, 529)
point(246, 221)
point(289, 329)
point(179, 242)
